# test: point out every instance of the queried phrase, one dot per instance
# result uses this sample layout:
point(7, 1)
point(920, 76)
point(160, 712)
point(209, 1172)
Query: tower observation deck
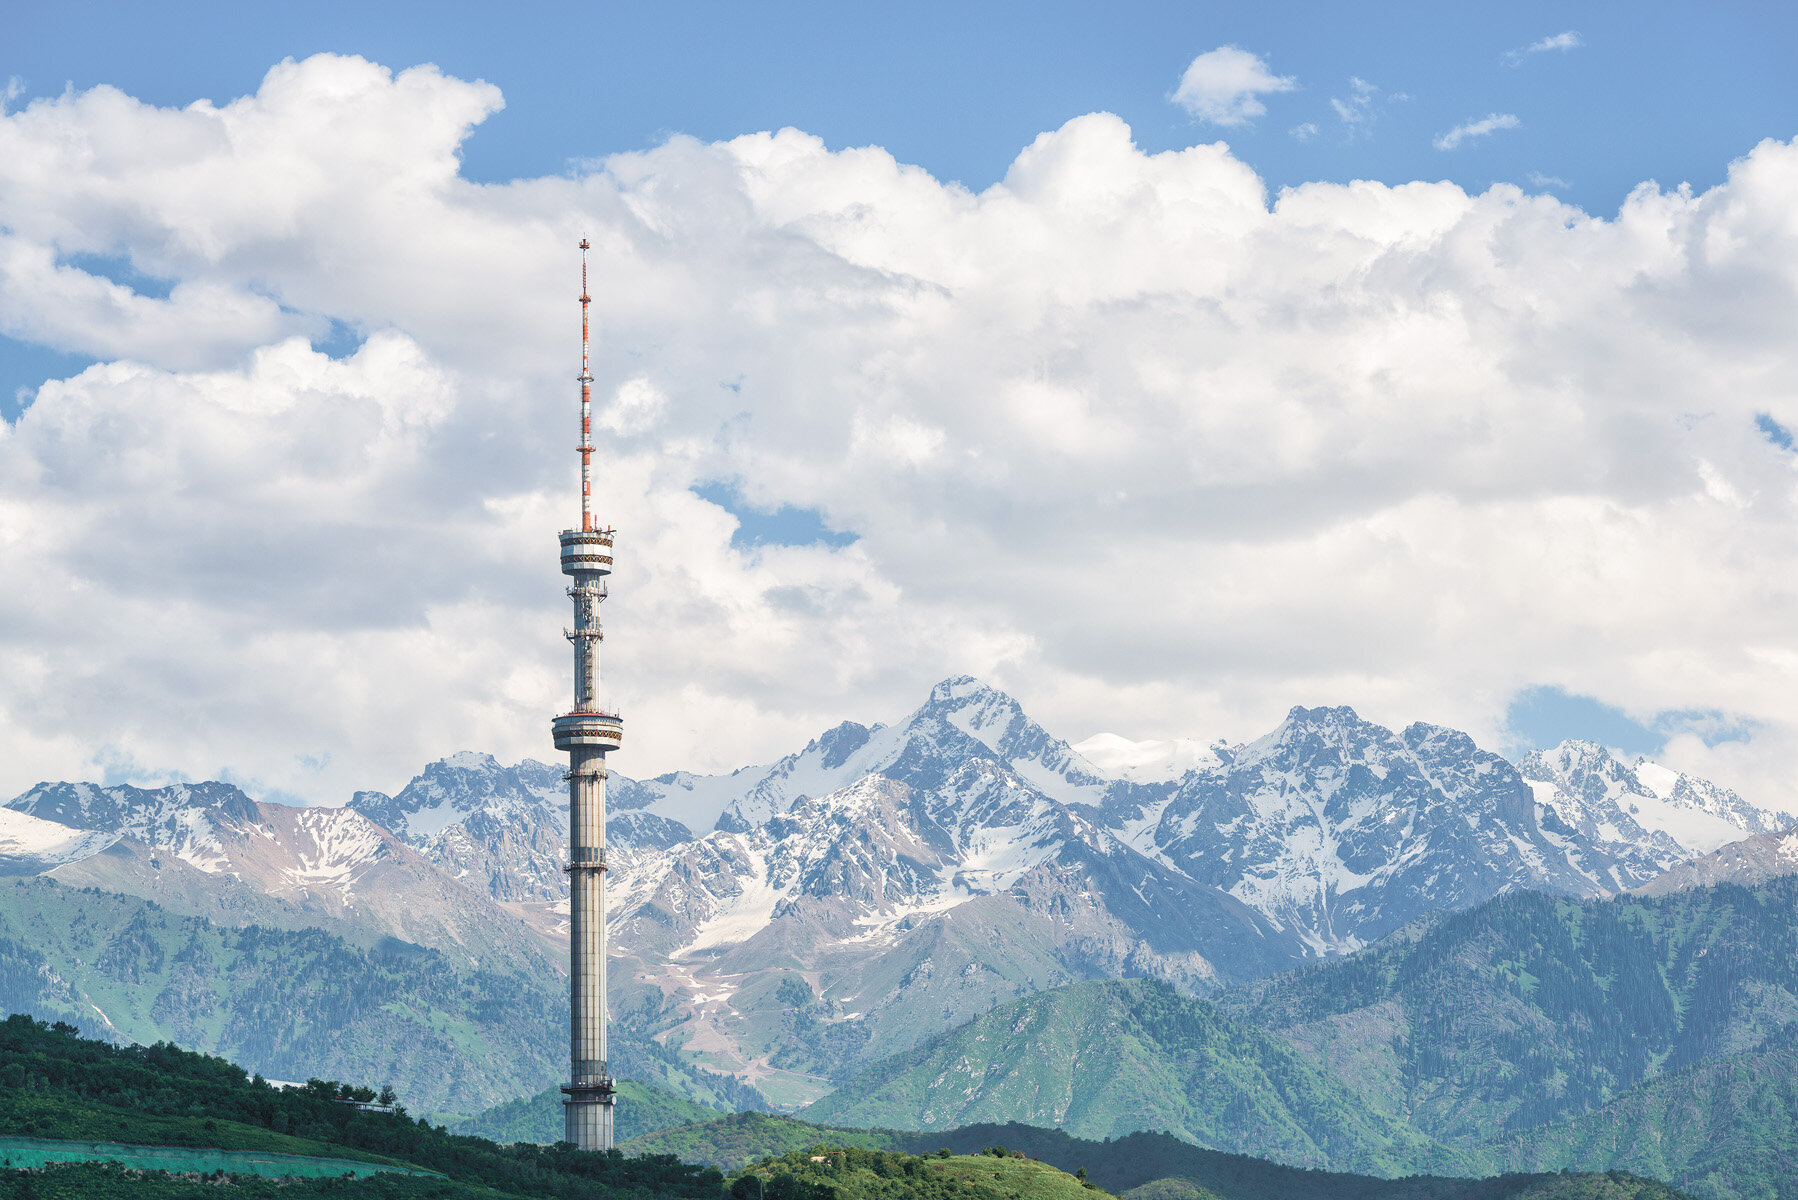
point(587, 731)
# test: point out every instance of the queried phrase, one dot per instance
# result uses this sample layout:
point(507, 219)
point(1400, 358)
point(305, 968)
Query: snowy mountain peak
point(1337, 734)
point(834, 746)
point(216, 828)
point(180, 817)
point(959, 689)
point(450, 789)
point(997, 721)
point(1581, 768)
point(471, 760)
point(963, 717)
point(1644, 807)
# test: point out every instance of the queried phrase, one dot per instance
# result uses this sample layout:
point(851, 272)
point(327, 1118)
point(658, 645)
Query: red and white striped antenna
point(586, 407)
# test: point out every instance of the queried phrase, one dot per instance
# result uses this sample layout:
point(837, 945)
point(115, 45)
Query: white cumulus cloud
point(1224, 86)
point(1157, 450)
point(1480, 128)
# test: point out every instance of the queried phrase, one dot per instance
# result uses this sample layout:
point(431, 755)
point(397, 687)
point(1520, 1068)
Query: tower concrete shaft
point(587, 732)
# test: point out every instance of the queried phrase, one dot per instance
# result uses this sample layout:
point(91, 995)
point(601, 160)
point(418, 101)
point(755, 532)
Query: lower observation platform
point(588, 729)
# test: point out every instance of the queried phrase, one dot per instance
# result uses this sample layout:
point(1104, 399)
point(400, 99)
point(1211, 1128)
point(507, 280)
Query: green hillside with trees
point(81, 1090)
point(732, 1143)
point(1726, 1129)
point(1106, 1058)
point(293, 1003)
point(61, 1086)
point(1530, 1010)
point(641, 1110)
point(1141, 1166)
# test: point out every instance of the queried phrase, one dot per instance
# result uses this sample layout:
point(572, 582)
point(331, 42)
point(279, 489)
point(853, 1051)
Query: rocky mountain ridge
point(887, 882)
point(210, 850)
point(1648, 817)
point(879, 865)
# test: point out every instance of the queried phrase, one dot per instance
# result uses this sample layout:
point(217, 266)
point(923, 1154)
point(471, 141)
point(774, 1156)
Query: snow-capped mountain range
point(912, 876)
point(210, 850)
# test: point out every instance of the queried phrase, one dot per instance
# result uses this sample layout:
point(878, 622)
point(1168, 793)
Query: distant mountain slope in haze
point(1104, 1059)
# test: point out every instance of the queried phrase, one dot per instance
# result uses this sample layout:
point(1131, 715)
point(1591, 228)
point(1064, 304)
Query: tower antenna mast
point(586, 405)
point(587, 732)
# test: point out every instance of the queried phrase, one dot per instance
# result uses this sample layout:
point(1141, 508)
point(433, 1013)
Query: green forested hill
point(1141, 1166)
point(1106, 1058)
point(62, 1086)
point(1725, 1130)
point(732, 1143)
point(294, 1003)
point(1637, 1033)
point(1529, 1010)
point(641, 1110)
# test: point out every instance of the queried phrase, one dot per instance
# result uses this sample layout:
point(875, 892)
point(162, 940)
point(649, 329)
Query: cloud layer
point(1159, 452)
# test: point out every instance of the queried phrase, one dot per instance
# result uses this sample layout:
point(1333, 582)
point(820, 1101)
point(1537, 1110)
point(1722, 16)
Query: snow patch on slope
point(28, 837)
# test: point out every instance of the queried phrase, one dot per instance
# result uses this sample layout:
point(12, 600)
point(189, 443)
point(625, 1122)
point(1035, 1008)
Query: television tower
point(587, 732)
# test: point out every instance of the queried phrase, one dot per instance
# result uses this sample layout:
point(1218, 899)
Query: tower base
point(587, 1115)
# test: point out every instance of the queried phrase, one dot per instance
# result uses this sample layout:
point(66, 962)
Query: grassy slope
point(27, 1114)
point(1024, 1178)
point(641, 1110)
point(1107, 1058)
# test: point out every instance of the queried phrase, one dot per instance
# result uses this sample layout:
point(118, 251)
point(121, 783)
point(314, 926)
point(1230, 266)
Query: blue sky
point(1659, 91)
point(1473, 436)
